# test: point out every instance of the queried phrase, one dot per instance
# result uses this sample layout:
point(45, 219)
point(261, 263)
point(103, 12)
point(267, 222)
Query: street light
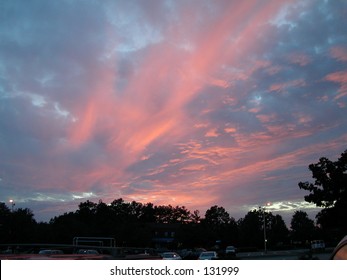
point(263, 208)
point(12, 204)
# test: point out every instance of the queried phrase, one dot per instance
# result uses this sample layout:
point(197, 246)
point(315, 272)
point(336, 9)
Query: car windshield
point(208, 254)
point(169, 255)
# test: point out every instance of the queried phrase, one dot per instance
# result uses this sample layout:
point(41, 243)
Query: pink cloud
point(299, 58)
point(283, 87)
point(212, 133)
point(267, 118)
point(339, 78)
point(339, 53)
point(192, 70)
point(230, 130)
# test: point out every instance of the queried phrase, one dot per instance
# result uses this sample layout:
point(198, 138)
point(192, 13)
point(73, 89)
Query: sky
point(192, 103)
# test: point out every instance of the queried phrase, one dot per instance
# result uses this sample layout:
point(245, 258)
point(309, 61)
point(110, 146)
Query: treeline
point(134, 224)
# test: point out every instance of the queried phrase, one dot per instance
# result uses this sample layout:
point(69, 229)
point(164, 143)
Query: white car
point(208, 255)
point(171, 256)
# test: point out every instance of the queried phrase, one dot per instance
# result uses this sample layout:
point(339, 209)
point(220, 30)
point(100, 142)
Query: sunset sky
point(192, 103)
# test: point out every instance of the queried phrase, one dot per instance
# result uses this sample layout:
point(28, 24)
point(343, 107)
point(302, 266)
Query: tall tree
point(330, 186)
point(278, 231)
point(251, 229)
point(215, 225)
point(5, 220)
point(170, 214)
point(217, 216)
point(302, 227)
point(147, 213)
point(86, 211)
point(329, 190)
point(22, 224)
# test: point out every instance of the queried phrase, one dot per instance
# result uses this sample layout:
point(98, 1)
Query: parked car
point(171, 256)
point(50, 252)
point(230, 250)
point(88, 251)
point(208, 255)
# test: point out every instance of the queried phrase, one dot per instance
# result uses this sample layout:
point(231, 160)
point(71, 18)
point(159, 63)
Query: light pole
point(264, 225)
point(12, 204)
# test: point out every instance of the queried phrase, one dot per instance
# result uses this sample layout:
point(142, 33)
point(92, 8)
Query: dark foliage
point(135, 225)
point(329, 190)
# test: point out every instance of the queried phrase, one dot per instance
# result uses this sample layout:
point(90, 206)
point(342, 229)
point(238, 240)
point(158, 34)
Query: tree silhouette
point(329, 190)
point(215, 224)
point(134, 224)
point(22, 225)
point(251, 229)
point(170, 214)
point(5, 218)
point(302, 227)
point(216, 216)
point(330, 186)
point(195, 217)
point(277, 231)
